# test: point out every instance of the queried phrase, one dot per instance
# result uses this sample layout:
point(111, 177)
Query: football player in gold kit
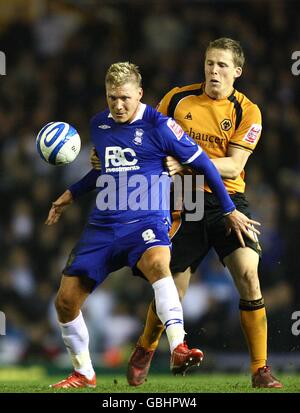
point(227, 125)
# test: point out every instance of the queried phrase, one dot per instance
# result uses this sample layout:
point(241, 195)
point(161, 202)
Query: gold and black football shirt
point(215, 124)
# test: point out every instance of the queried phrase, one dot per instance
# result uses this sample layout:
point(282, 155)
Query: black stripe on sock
point(251, 305)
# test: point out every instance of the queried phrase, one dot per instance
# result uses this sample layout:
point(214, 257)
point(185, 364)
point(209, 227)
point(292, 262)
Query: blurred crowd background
point(57, 53)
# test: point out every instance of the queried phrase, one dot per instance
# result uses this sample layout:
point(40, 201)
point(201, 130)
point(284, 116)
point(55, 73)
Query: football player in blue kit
point(130, 223)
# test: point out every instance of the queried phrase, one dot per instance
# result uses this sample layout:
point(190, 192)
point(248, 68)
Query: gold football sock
point(153, 329)
point(254, 325)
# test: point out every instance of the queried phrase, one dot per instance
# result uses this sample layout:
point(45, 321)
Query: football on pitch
point(58, 143)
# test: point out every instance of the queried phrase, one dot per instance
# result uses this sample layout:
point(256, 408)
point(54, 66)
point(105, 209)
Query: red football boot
point(183, 358)
point(263, 378)
point(138, 365)
point(75, 380)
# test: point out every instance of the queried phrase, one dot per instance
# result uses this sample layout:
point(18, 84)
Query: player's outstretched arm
point(239, 223)
point(58, 207)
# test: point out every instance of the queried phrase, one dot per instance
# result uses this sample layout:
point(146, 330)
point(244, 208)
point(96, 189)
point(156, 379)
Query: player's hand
point(58, 207)
point(94, 159)
point(241, 224)
point(173, 166)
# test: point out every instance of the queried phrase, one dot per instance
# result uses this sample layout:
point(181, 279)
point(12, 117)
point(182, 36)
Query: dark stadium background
point(57, 53)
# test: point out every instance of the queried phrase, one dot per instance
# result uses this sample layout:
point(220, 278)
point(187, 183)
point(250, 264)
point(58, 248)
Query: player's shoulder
point(153, 117)
point(185, 90)
point(172, 98)
point(99, 117)
point(245, 102)
point(163, 125)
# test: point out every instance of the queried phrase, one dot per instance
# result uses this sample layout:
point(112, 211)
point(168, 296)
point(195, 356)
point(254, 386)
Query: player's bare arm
point(232, 165)
point(58, 207)
point(229, 167)
point(94, 159)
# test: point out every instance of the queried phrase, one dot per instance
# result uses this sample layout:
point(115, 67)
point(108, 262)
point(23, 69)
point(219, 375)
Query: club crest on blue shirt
point(138, 136)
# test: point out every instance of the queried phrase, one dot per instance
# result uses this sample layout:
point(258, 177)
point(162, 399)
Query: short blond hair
point(123, 72)
point(234, 46)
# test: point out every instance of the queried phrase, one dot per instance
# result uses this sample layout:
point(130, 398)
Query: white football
point(58, 143)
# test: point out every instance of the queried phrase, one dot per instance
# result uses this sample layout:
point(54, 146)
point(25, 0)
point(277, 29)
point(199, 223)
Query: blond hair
point(123, 72)
point(229, 44)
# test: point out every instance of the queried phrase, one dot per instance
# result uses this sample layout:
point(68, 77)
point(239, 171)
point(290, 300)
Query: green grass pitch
point(36, 380)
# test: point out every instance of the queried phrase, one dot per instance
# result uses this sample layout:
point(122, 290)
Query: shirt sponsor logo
point(253, 133)
point(175, 128)
point(120, 159)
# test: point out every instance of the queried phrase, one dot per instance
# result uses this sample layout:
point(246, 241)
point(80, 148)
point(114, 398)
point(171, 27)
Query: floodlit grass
point(36, 380)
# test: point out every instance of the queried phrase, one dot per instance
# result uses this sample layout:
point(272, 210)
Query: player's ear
point(141, 92)
point(238, 72)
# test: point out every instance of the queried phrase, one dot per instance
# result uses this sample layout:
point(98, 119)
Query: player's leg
point(140, 360)
point(243, 266)
point(190, 245)
point(70, 297)
point(154, 264)
point(186, 249)
point(89, 259)
point(153, 326)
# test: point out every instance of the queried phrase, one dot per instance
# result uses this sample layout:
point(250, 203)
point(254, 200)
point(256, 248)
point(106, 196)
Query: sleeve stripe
point(241, 147)
point(238, 109)
point(192, 158)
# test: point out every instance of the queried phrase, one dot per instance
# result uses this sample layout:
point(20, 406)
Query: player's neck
point(215, 95)
point(134, 113)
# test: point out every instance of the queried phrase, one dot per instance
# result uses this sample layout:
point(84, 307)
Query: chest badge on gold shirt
point(226, 124)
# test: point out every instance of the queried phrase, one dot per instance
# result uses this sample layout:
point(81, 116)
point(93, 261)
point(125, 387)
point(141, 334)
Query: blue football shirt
point(134, 183)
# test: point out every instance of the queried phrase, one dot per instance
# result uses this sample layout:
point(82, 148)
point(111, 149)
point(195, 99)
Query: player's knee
point(66, 307)
point(159, 267)
point(250, 276)
point(156, 267)
point(250, 281)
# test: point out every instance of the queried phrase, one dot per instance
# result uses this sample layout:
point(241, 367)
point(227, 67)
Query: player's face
point(123, 101)
point(220, 73)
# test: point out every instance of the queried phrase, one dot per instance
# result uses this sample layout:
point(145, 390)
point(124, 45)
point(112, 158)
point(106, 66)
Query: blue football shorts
point(103, 249)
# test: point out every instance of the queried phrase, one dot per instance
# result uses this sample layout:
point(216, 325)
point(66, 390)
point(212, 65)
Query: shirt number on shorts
point(148, 235)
